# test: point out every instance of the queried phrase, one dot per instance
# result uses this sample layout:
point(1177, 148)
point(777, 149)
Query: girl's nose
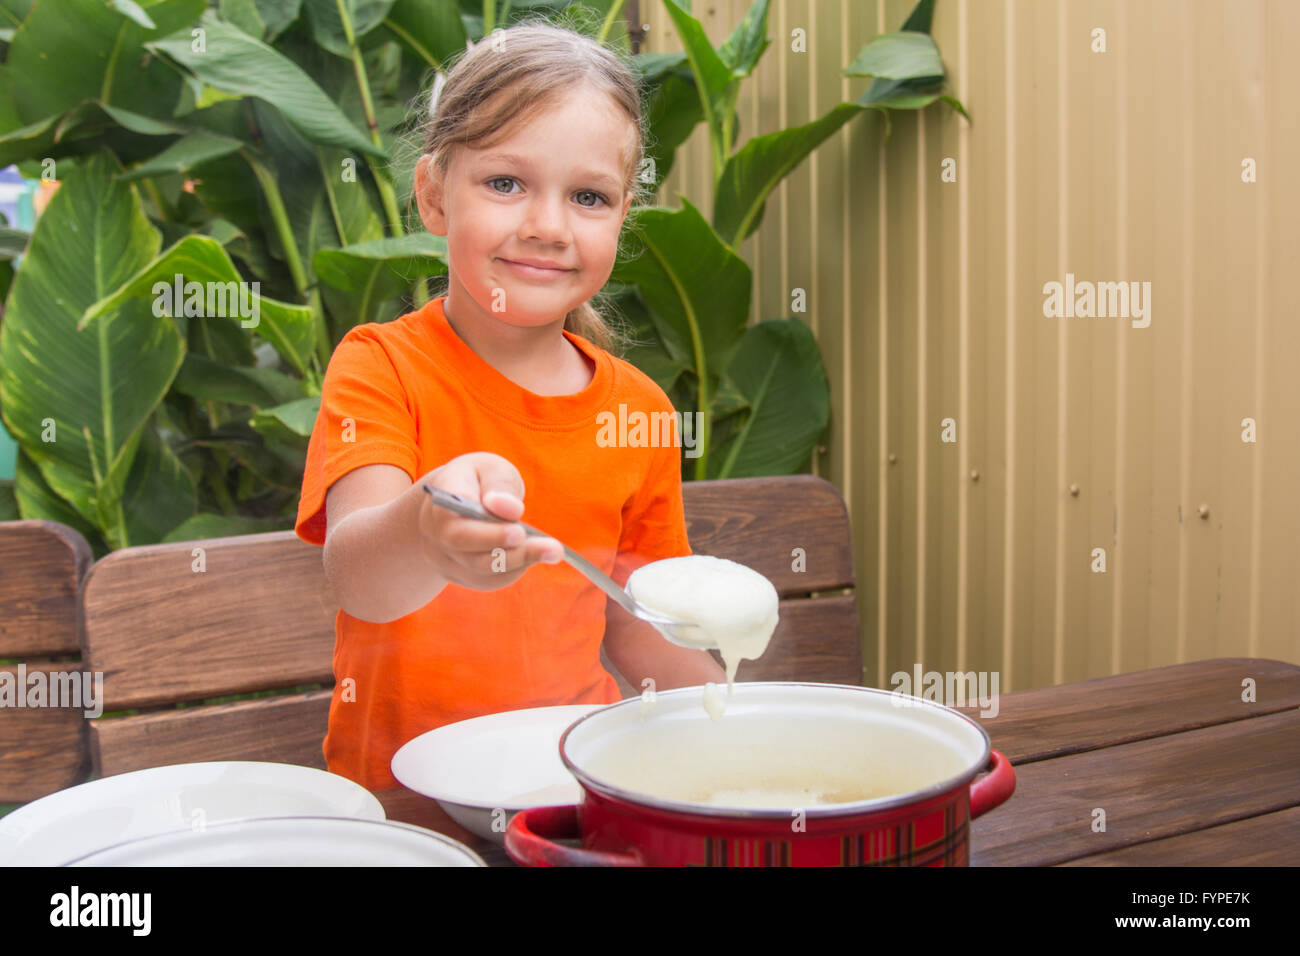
point(544, 220)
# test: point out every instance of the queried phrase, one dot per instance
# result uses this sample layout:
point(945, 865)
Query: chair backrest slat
point(761, 522)
point(41, 565)
point(286, 729)
point(42, 748)
point(198, 619)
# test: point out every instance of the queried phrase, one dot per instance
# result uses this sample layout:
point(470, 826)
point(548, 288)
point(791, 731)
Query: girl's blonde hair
point(510, 76)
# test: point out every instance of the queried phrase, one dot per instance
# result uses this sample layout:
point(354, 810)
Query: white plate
point(292, 841)
point(483, 771)
point(73, 822)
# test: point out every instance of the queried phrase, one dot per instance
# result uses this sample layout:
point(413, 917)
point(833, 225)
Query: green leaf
point(205, 379)
point(646, 351)
point(298, 416)
point(133, 11)
point(431, 29)
point(713, 78)
point(327, 24)
point(207, 525)
point(234, 62)
point(696, 288)
point(956, 104)
point(898, 56)
point(355, 219)
point(8, 501)
point(756, 169)
point(674, 112)
point(778, 369)
point(81, 129)
point(76, 50)
point(654, 67)
point(104, 382)
point(245, 15)
point(382, 268)
point(13, 12)
point(13, 242)
point(727, 400)
point(277, 15)
point(186, 153)
point(202, 259)
point(286, 429)
point(28, 142)
point(159, 491)
point(35, 499)
point(747, 42)
point(921, 16)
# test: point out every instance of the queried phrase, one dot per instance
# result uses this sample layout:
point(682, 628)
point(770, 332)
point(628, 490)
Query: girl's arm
point(639, 651)
point(389, 551)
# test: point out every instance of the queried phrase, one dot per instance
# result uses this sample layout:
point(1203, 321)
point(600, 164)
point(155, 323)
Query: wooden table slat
point(1271, 839)
point(1072, 718)
point(1149, 789)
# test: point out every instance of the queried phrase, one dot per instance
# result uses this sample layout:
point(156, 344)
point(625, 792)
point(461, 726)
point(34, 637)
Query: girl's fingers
point(549, 550)
point(477, 537)
point(499, 558)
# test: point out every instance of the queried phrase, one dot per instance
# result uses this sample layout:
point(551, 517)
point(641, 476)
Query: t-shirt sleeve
point(654, 523)
point(365, 419)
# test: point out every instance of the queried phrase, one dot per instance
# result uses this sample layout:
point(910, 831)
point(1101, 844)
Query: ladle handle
point(531, 834)
point(470, 509)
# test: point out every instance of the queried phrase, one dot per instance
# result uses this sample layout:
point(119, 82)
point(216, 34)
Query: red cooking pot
point(793, 774)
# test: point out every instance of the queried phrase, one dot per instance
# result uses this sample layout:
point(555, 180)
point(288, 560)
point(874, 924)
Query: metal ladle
point(670, 628)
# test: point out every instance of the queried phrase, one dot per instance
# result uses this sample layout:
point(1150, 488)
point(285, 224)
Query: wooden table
point(1185, 771)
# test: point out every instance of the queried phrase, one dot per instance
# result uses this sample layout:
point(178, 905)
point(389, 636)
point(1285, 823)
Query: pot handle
point(995, 788)
point(531, 832)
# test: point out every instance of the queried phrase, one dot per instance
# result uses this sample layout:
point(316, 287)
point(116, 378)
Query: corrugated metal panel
point(1073, 434)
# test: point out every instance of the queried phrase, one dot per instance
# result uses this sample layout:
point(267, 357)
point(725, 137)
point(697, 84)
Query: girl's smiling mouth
point(537, 268)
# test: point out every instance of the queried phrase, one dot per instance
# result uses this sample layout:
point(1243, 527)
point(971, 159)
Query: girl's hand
point(465, 551)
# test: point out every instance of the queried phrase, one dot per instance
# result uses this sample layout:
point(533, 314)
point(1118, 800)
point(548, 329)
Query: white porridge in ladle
point(734, 607)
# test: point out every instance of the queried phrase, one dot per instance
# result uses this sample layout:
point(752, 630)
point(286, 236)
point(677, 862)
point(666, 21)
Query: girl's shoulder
point(631, 381)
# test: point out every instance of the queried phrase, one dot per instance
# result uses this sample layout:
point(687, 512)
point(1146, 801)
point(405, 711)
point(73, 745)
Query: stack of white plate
point(236, 813)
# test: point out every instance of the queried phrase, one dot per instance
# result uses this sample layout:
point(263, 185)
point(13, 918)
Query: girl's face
point(532, 221)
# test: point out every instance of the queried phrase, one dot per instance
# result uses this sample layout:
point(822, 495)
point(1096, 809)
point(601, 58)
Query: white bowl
point(292, 841)
point(485, 770)
point(128, 806)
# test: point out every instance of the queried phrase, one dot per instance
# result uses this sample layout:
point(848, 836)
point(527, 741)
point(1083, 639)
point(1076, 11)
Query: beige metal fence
point(1123, 491)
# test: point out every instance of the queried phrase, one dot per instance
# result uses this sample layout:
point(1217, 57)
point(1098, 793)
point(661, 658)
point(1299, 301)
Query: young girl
point(493, 392)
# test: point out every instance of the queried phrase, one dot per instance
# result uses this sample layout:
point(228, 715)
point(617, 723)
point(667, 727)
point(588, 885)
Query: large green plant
point(232, 142)
point(761, 390)
point(256, 141)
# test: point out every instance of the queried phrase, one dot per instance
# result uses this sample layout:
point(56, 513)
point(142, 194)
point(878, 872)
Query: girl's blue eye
point(499, 179)
point(595, 195)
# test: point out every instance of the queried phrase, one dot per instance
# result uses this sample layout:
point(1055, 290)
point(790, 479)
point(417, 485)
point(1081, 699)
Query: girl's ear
point(627, 204)
point(430, 195)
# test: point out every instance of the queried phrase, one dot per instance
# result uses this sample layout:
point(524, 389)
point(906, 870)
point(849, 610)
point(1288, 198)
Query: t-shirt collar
point(496, 391)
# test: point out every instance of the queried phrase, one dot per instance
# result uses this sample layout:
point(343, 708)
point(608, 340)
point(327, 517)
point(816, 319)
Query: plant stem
point(614, 10)
point(489, 16)
point(329, 196)
point(221, 493)
point(386, 195)
point(324, 346)
point(387, 198)
point(164, 211)
point(281, 219)
point(702, 462)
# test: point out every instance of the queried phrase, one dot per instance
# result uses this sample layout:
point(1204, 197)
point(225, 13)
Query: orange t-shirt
point(411, 393)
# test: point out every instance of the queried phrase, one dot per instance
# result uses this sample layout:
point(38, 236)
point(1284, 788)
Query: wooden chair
point(42, 564)
point(183, 622)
